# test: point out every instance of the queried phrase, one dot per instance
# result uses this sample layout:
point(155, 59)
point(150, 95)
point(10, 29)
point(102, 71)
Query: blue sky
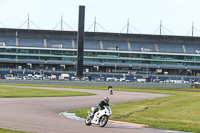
point(144, 15)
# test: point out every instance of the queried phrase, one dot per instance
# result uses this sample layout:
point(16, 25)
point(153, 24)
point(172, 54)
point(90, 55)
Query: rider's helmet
point(106, 100)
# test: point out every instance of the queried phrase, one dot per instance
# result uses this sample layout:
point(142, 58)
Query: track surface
point(42, 114)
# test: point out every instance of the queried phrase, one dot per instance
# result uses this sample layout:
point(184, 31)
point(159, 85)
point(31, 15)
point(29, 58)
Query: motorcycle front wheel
point(103, 121)
point(88, 121)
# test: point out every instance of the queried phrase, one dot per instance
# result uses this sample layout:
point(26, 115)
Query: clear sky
point(144, 15)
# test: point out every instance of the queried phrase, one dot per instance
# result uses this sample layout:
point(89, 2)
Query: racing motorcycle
point(100, 118)
point(111, 91)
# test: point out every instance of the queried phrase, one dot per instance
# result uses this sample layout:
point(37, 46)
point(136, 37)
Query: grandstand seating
point(30, 61)
point(122, 65)
point(115, 45)
point(116, 64)
point(60, 62)
point(7, 60)
point(136, 65)
point(10, 41)
point(172, 66)
point(95, 44)
point(191, 48)
point(89, 63)
point(123, 46)
point(109, 64)
point(145, 65)
point(170, 48)
point(152, 65)
point(193, 67)
point(66, 43)
point(147, 47)
point(30, 42)
point(92, 44)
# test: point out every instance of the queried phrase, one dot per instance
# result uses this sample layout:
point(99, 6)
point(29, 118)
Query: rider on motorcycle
point(104, 102)
point(109, 87)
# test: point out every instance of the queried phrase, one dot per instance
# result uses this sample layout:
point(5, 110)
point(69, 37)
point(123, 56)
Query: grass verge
point(180, 112)
point(6, 92)
point(30, 92)
point(11, 131)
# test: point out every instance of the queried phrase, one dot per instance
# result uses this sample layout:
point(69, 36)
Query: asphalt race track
point(42, 114)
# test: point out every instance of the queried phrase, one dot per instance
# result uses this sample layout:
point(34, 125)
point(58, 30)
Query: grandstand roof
point(100, 36)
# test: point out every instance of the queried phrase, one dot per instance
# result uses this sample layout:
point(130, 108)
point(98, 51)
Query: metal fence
point(93, 83)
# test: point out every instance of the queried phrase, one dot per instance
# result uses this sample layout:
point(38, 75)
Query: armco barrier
point(93, 83)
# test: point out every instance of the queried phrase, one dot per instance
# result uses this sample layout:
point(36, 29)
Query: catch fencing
point(93, 83)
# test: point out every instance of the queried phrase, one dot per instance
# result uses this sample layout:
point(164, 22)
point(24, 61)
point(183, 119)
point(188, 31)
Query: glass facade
point(101, 56)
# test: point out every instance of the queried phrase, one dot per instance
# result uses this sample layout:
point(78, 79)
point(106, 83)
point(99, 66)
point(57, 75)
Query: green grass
point(10, 131)
point(61, 86)
point(103, 87)
point(30, 92)
point(6, 92)
point(180, 112)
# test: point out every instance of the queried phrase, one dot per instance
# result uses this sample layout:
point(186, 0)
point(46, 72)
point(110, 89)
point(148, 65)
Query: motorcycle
point(111, 91)
point(100, 118)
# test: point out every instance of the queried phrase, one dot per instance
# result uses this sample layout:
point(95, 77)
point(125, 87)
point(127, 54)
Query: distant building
point(109, 52)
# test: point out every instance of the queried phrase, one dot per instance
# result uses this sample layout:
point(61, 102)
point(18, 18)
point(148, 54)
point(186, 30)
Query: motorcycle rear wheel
point(88, 121)
point(103, 121)
point(111, 92)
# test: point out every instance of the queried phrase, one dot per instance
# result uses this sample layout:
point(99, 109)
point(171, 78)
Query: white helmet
point(106, 100)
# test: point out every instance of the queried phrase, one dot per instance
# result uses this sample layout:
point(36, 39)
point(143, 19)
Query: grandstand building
point(103, 52)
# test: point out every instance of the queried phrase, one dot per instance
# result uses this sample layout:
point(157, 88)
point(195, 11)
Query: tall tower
point(80, 42)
